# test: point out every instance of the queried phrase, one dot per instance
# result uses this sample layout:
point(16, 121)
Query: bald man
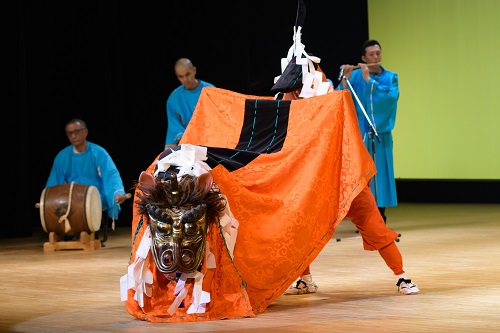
point(182, 101)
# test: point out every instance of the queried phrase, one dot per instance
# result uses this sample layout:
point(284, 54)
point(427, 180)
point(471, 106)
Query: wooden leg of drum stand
point(87, 242)
point(51, 244)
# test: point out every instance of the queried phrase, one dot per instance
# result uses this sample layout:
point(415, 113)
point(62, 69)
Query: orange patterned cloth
point(288, 202)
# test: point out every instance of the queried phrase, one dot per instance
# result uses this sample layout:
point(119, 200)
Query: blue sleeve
point(57, 173)
point(111, 180)
point(175, 126)
point(385, 100)
point(388, 88)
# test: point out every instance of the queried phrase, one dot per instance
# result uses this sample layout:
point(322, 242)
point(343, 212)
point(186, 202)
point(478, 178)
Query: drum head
point(42, 210)
point(93, 208)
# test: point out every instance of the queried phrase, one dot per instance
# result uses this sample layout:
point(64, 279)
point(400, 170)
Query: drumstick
point(127, 196)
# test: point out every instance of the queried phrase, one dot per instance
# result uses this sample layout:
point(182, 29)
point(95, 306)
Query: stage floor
point(451, 251)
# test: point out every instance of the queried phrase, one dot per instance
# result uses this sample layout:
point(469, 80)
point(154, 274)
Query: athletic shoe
point(406, 287)
point(304, 285)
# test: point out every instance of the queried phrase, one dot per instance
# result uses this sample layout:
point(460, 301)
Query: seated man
point(84, 162)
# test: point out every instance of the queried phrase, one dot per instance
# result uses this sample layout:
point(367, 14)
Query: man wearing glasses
point(87, 163)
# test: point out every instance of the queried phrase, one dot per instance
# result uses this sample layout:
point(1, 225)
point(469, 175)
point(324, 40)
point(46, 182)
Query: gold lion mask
point(179, 213)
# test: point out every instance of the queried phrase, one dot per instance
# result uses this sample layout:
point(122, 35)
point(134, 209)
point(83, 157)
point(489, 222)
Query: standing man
point(87, 163)
point(182, 101)
point(363, 212)
point(378, 91)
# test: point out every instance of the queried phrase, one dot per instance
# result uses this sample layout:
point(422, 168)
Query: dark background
point(111, 64)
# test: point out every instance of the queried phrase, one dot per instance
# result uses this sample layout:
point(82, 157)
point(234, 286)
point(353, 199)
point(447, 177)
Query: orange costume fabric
point(288, 202)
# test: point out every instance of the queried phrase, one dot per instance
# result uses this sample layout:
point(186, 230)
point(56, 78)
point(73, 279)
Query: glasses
point(75, 132)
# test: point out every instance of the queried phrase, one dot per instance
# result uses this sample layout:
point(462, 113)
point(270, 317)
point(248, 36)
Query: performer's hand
point(120, 198)
point(173, 146)
point(293, 95)
point(365, 71)
point(347, 71)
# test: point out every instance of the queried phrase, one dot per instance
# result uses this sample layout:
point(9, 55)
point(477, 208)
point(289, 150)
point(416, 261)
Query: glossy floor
point(451, 251)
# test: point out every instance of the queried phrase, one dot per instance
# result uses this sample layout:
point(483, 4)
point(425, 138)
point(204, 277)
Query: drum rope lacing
point(67, 226)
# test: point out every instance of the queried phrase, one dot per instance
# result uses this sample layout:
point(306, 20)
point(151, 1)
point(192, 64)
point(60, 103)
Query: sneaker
point(304, 285)
point(406, 287)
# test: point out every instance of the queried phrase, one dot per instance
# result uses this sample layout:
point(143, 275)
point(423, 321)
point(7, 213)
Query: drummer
point(87, 163)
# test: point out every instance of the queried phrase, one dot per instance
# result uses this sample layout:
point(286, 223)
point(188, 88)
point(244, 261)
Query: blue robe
point(94, 167)
point(379, 98)
point(180, 108)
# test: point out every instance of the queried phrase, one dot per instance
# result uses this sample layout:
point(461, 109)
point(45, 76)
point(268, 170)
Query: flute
point(369, 65)
point(342, 69)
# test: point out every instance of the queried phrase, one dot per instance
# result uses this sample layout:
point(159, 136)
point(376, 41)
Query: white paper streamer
point(138, 277)
point(312, 84)
point(189, 160)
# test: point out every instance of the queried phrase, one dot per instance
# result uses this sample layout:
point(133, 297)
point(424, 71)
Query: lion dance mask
point(179, 214)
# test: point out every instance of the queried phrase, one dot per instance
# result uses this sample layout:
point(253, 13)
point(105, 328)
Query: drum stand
point(87, 242)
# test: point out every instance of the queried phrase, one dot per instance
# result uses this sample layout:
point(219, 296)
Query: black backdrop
point(111, 64)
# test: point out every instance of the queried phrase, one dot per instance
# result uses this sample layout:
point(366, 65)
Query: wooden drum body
point(85, 209)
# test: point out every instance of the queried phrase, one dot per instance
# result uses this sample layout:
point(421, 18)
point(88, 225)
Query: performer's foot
point(304, 285)
point(406, 287)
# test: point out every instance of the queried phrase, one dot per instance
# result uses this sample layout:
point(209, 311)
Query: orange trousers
point(364, 214)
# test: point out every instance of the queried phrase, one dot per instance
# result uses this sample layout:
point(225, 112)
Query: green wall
point(446, 53)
